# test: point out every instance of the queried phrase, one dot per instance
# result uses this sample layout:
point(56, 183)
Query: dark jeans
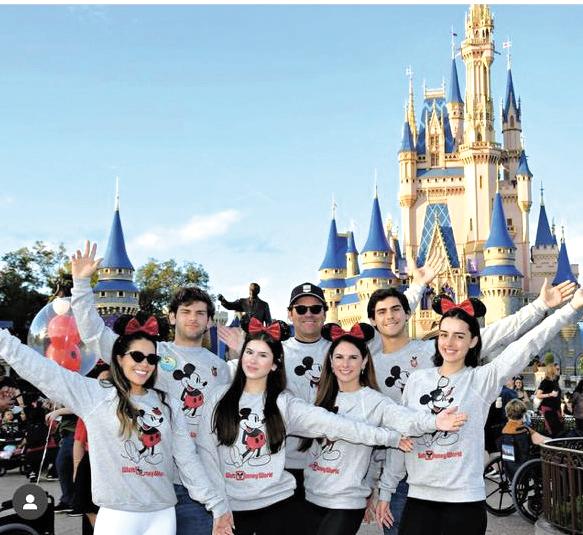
point(579, 424)
point(64, 464)
point(553, 421)
point(421, 517)
point(397, 505)
point(324, 521)
point(276, 519)
point(191, 517)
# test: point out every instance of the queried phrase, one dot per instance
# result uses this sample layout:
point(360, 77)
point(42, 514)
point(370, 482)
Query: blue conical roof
point(454, 86)
point(510, 98)
point(377, 240)
point(351, 245)
point(116, 255)
point(564, 271)
point(499, 236)
point(407, 141)
point(334, 258)
point(544, 235)
point(523, 166)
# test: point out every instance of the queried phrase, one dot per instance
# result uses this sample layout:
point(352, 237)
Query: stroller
point(11, 451)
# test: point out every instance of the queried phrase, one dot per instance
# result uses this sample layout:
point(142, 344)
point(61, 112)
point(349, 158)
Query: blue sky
point(231, 127)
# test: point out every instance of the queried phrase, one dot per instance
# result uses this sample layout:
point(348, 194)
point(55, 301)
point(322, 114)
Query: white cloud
point(198, 228)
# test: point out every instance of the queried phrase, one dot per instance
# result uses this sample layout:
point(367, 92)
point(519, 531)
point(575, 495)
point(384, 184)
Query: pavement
point(64, 525)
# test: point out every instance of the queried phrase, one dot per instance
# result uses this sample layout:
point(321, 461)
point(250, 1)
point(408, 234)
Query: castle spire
point(523, 168)
point(334, 258)
point(499, 236)
point(116, 255)
point(564, 271)
point(411, 104)
point(454, 86)
point(376, 241)
point(510, 102)
point(544, 236)
point(407, 139)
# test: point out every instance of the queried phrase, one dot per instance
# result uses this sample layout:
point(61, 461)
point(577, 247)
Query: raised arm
point(422, 276)
point(79, 393)
point(504, 331)
point(92, 330)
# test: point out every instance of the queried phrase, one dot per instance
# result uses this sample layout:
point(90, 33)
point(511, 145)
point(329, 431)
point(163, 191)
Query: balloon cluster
point(54, 333)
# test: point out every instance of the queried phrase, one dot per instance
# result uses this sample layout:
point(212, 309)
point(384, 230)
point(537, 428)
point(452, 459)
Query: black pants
point(300, 492)
point(324, 521)
point(553, 422)
point(421, 517)
point(278, 518)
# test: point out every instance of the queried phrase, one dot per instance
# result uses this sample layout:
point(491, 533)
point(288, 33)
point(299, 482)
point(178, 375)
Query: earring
point(361, 371)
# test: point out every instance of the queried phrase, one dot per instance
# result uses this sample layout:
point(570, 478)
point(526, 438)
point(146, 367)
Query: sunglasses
point(138, 356)
point(302, 309)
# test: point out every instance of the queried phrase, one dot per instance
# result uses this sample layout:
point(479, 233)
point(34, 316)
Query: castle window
point(471, 224)
point(120, 294)
point(512, 121)
point(101, 294)
point(119, 270)
point(480, 181)
point(509, 222)
point(106, 270)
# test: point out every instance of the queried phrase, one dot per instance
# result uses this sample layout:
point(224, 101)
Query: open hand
point(553, 296)
point(383, 514)
point(450, 419)
point(224, 524)
point(406, 444)
point(425, 274)
point(232, 337)
point(84, 265)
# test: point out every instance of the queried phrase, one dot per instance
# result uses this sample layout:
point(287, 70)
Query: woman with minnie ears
point(445, 471)
point(136, 435)
point(335, 479)
point(242, 434)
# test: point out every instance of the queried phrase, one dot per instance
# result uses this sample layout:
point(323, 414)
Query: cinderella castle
point(465, 195)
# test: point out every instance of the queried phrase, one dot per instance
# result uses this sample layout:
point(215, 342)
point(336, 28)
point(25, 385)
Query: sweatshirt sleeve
point(92, 330)
point(414, 294)
point(309, 421)
point(191, 467)
point(208, 449)
point(517, 355)
point(393, 472)
point(506, 330)
point(406, 421)
point(78, 393)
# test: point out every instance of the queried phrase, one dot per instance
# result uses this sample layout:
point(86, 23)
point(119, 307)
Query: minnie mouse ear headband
point(359, 331)
point(140, 323)
point(472, 306)
point(278, 331)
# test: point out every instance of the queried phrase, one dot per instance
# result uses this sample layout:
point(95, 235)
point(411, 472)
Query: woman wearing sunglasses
point(243, 431)
point(136, 435)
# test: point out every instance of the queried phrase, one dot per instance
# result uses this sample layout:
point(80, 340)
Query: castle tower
point(524, 201)
point(511, 128)
point(408, 183)
point(455, 105)
point(115, 291)
point(479, 152)
point(544, 253)
point(352, 269)
point(333, 270)
point(376, 257)
point(564, 268)
point(500, 281)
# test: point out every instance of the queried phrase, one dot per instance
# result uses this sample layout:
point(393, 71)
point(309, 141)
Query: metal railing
point(562, 473)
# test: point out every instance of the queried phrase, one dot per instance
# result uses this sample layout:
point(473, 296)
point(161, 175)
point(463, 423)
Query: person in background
point(250, 306)
point(549, 392)
point(577, 402)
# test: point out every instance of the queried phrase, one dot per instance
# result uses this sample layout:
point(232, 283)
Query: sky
point(231, 128)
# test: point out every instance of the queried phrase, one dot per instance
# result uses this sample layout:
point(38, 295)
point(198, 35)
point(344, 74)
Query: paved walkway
point(510, 525)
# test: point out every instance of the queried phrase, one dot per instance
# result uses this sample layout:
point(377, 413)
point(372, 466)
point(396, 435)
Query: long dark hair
point(472, 358)
point(126, 412)
point(226, 416)
point(328, 385)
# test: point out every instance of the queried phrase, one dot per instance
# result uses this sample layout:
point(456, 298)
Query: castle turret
point(375, 257)
point(407, 177)
point(511, 128)
point(333, 270)
point(352, 269)
point(455, 105)
point(564, 268)
point(500, 280)
point(524, 198)
point(115, 291)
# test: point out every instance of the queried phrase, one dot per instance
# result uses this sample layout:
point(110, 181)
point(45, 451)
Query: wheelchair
point(516, 486)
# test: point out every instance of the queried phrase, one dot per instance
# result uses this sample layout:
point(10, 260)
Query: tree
point(157, 281)
point(28, 276)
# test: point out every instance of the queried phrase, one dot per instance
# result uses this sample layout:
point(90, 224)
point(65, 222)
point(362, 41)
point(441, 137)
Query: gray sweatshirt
point(448, 467)
point(133, 474)
point(335, 476)
point(247, 473)
point(186, 374)
point(303, 365)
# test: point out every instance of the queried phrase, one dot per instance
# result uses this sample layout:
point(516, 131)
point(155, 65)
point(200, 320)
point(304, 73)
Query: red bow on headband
point(150, 327)
point(466, 306)
point(338, 332)
point(273, 330)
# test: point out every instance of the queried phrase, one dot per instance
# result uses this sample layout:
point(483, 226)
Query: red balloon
point(62, 331)
point(68, 357)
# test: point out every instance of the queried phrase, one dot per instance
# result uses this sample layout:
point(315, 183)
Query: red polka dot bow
point(466, 306)
point(273, 330)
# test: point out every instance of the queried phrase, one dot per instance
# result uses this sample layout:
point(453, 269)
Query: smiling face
point(454, 341)
point(257, 361)
point(137, 373)
point(190, 323)
point(390, 317)
point(308, 326)
point(347, 364)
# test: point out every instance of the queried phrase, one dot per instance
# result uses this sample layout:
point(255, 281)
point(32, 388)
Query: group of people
point(298, 431)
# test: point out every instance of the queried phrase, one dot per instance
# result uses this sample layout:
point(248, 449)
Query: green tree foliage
point(28, 276)
point(549, 358)
point(157, 282)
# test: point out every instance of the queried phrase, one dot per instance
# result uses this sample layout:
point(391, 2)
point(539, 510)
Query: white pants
point(115, 522)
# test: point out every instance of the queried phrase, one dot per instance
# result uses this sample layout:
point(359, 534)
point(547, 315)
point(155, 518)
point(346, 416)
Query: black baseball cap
point(304, 290)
